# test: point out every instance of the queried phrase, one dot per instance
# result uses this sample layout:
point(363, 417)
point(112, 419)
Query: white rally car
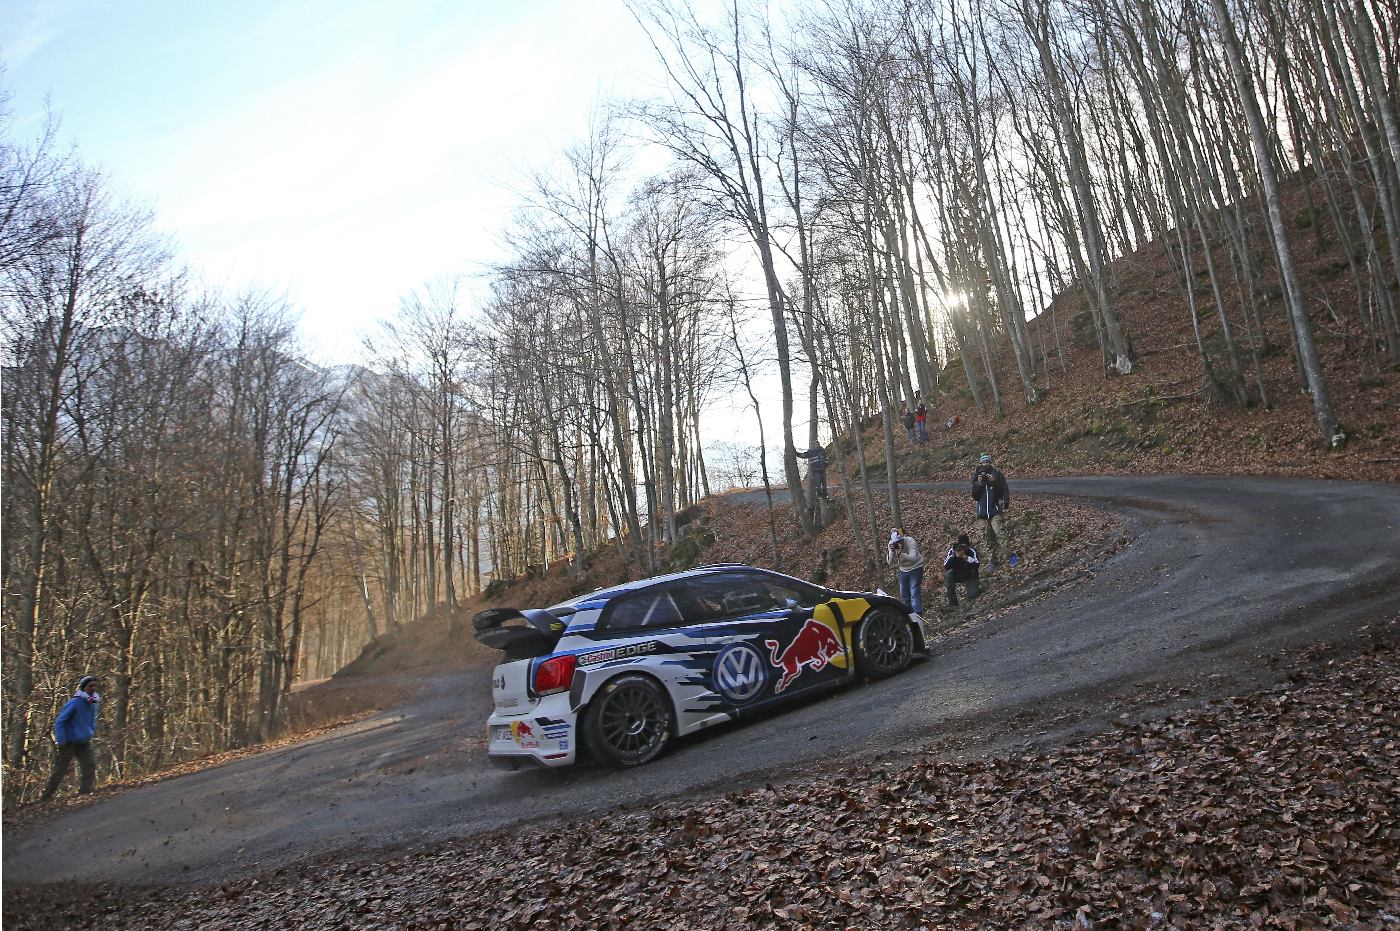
point(622, 671)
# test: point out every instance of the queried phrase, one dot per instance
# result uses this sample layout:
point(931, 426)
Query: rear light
point(554, 674)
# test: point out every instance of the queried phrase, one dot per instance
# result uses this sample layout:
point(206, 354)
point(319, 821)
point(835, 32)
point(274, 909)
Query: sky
point(338, 152)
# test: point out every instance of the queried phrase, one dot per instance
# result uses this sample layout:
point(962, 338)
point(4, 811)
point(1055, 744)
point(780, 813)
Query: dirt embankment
point(1168, 416)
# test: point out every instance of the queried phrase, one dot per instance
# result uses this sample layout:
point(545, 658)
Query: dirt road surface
point(1222, 575)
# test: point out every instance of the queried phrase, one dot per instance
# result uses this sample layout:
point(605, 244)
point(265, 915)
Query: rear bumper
point(547, 736)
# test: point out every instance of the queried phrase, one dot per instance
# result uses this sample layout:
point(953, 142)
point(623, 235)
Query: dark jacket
point(964, 568)
point(817, 457)
point(76, 722)
point(992, 497)
point(909, 420)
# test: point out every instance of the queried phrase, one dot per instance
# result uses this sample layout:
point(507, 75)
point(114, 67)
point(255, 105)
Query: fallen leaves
point(1052, 536)
point(1270, 810)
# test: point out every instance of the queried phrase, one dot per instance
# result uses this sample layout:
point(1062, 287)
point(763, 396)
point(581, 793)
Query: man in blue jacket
point(993, 499)
point(72, 731)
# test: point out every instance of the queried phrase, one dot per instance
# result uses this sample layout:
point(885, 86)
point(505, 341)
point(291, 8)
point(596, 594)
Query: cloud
point(30, 27)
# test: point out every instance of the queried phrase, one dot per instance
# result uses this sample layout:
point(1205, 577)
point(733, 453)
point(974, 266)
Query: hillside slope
point(1166, 416)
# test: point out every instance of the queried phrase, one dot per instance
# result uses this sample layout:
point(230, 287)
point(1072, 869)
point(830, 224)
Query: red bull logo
point(814, 646)
point(524, 735)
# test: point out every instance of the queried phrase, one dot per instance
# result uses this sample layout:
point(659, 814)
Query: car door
point(657, 630)
point(771, 641)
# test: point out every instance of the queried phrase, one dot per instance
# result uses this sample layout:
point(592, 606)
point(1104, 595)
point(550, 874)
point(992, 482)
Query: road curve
point(1222, 574)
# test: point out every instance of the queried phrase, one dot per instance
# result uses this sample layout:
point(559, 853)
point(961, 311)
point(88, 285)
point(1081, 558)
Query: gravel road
point(1222, 574)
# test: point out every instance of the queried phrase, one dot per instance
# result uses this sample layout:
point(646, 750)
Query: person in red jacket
point(921, 421)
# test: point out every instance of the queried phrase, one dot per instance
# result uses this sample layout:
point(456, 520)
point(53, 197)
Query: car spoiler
point(521, 631)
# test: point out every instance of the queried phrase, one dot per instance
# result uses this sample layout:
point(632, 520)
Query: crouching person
point(961, 565)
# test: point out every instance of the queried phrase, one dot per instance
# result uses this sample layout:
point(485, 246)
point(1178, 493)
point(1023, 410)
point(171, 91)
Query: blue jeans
point(911, 585)
point(923, 430)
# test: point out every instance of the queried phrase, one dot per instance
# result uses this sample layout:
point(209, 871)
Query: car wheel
point(628, 722)
point(885, 644)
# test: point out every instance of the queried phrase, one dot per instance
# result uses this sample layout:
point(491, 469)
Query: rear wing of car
point(520, 632)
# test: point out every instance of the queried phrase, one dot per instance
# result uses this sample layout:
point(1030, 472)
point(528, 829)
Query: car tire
point(885, 643)
point(628, 723)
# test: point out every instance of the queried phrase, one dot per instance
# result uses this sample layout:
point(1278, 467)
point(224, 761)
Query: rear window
point(654, 607)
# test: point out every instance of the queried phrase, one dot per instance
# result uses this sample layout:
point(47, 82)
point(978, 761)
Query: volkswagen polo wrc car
point(622, 671)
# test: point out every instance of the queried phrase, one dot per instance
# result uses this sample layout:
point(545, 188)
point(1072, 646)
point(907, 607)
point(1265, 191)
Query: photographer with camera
point(961, 565)
point(903, 553)
point(816, 469)
point(993, 499)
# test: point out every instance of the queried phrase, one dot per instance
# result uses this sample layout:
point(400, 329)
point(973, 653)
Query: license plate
point(500, 734)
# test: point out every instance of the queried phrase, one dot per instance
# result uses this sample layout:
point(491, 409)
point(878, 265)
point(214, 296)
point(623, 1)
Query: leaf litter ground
point(1274, 809)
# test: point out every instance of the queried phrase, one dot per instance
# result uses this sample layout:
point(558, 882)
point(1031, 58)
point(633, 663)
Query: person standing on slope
point(816, 469)
point(903, 553)
point(993, 499)
point(921, 421)
point(72, 732)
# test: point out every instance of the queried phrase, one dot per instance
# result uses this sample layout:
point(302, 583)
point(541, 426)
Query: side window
point(652, 607)
point(790, 592)
point(724, 595)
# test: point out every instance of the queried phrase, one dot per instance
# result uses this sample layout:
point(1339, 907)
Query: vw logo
point(740, 673)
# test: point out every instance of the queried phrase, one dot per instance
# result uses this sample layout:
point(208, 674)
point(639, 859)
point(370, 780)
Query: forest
point(853, 199)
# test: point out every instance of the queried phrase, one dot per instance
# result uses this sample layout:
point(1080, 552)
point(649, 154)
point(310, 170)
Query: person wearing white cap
point(73, 730)
point(903, 553)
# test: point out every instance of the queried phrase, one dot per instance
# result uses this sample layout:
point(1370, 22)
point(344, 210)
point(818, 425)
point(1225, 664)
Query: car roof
point(611, 592)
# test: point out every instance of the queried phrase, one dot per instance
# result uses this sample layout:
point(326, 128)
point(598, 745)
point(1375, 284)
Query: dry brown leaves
point(1161, 418)
point(1048, 534)
point(1272, 810)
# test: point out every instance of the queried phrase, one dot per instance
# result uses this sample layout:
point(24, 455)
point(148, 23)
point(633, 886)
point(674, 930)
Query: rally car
point(621, 672)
